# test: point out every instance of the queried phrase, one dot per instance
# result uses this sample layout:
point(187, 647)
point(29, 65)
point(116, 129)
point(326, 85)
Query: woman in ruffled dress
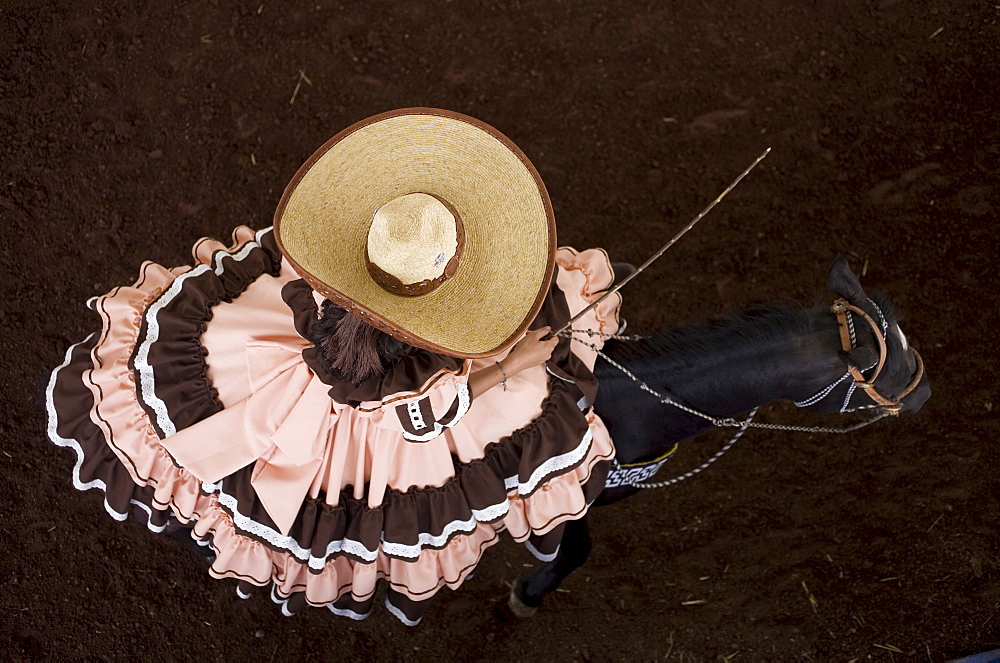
point(362, 395)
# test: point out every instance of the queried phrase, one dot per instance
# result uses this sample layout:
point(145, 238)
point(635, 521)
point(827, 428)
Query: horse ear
point(861, 358)
point(842, 281)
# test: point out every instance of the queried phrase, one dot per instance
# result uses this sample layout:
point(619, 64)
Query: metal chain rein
point(687, 475)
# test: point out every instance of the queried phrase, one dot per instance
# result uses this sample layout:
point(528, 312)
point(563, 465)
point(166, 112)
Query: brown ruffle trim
point(177, 352)
point(411, 518)
point(563, 364)
point(411, 372)
point(407, 610)
point(97, 465)
point(421, 518)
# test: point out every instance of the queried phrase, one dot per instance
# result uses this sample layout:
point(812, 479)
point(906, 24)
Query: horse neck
point(722, 369)
point(734, 367)
point(740, 378)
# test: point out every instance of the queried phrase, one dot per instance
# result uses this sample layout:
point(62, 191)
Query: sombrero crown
point(429, 224)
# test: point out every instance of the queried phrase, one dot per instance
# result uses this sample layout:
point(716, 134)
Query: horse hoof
point(518, 607)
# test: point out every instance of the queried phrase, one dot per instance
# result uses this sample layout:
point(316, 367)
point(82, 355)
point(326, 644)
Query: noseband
point(840, 309)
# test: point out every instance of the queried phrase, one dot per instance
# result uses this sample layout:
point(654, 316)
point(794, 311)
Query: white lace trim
point(540, 556)
point(416, 418)
point(52, 430)
point(399, 614)
point(491, 513)
point(425, 539)
point(147, 380)
point(345, 612)
point(279, 540)
point(558, 377)
point(464, 401)
point(149, 517)
point(53, 424)
point(356, 548)
point(283, 602)
point(555, 464)
point(120, 517)
point(429, 435)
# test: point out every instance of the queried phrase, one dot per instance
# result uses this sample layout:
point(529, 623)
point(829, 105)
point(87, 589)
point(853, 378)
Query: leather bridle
point(840, 309)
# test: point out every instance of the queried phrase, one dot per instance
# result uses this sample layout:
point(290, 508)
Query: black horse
point(728, 367)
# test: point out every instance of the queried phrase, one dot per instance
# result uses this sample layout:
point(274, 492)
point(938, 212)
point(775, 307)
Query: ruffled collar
point(408, 373)
point(418, 366)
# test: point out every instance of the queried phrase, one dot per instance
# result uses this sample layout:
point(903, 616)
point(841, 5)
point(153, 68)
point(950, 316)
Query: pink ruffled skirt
point(296, 491)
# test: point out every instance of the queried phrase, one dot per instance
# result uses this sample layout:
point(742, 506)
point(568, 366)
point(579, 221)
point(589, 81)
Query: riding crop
point(618, 286)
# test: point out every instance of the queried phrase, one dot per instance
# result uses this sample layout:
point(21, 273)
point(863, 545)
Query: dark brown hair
point(351, 348)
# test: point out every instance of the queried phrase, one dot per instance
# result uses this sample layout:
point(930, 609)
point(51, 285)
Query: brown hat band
point(418, 203)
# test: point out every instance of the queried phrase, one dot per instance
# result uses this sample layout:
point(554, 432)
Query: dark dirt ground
point(130, 129)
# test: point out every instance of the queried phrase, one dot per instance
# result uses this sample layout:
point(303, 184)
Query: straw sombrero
point(428, 224)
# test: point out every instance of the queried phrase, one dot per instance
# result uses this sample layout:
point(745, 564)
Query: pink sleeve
point(423, 414)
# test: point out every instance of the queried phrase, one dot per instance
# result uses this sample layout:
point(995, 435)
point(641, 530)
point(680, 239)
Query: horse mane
point(752, 326)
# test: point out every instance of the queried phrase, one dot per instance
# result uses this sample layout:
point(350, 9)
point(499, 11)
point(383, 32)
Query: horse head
point(877, 348)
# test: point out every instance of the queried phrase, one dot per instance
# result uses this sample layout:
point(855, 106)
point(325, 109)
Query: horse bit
point(891, 406)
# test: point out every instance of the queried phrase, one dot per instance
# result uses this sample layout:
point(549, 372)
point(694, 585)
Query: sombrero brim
point(323, 218)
